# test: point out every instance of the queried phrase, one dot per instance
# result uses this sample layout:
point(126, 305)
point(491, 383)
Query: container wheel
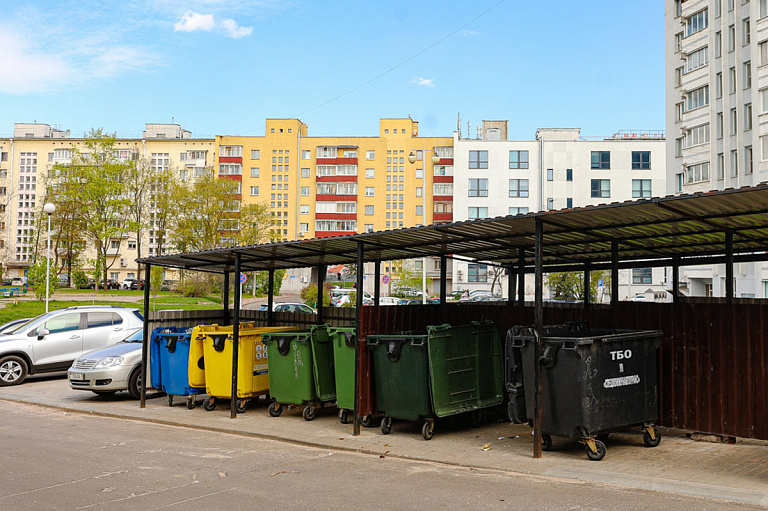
point(309, 413)
point(275, 409)
point(386, 425)
point(597, 455)
point(427, 430)
point(546, 442)
point(344, 416)
point(241, 405)
point(209, 403)
point(367, 421)
point(170, 399)
point(191, 403)
point(651, 441)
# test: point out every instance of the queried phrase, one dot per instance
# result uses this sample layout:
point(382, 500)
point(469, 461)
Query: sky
point(221, 67)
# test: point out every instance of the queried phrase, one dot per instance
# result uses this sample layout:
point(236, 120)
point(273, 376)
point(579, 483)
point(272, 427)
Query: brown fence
point(335, 316)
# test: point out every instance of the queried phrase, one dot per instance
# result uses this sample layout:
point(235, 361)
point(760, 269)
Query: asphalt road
point(50, 459)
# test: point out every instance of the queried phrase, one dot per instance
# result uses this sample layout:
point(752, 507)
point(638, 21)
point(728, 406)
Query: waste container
point(252, 379)
point(343, 340)
point(169, 363)
point(301, 369)
point(447, 371)
point(593, 382)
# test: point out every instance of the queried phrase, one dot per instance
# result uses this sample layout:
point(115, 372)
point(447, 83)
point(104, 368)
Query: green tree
point(261, 283)
point(570, 285)
point(138, 181)
point(405, 277)
point(36, 280)
point(155, 283)
point(309, 295)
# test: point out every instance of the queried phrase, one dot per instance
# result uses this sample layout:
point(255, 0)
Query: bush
point(199, 285)
point(309, 295)
point(79, 279)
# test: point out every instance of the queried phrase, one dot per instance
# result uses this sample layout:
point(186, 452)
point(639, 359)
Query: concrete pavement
point(678, 465)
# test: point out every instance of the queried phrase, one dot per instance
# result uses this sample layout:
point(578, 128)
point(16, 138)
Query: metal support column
point(270, 296)
point(587, 284)
point(321, 270)
point(539, 323)
point(376, 282)
point(358, 332)
point(145, 338)
point(614, 272)
point(443, 280)
point(676, 280)
point(521, 277)
point(225, 299)
point(729, 267)
point(235, 339)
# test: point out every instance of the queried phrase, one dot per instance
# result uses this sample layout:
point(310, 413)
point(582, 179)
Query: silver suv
point(50, 342)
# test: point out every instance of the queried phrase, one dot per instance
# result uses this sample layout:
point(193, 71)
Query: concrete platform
point(678, 465)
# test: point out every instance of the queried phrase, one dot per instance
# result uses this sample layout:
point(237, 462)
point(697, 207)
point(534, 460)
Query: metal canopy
point(652, 232)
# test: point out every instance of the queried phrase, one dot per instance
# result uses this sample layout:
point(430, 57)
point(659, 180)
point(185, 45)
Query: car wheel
point(134, 384)
point(13, 371)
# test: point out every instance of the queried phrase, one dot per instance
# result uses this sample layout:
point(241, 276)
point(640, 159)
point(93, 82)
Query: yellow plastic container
point(252, 368)
point(196, 352)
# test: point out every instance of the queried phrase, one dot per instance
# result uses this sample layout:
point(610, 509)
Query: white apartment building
point(717, 115)
point(495, 177)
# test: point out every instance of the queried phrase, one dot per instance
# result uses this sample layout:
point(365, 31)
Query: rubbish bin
point(343, 340)
point(447, 371)
point(301, 369)
point(169, 363)
point(593, 382)
point(252, 379)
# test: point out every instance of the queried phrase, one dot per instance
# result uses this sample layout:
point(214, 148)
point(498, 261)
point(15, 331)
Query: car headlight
point(109, 362)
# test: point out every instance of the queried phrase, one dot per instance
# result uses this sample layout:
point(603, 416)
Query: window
point(601, 188)
point(569, 203)
point(231, 150)
point(518, 188)
point(734, 163)
point(678, 8)
point(326, 152)
point(642, 276)
point(304, 190)
point(641, 188)
point(62, 323)
point(131, 245)
point(731, 38)
point(748, 160)
point(748, 117)
point(550, 175)
point(419, 192)
point(550, 203)
point(369, 190)
point(763, 8)
point(696, 59)
point(476, 213)
point(304, 209)
point(254, 190)
point(254, 172)
point(368, 227)
point(764, 145)
point(696, 22)
point(745, 32)
point(370, 155)
point(477, 273)
point(569, 174)
point(763, 49)
point(230, 169)
point(255, 154)
point(678, 42)
point(720, 166)
point(518, 211)
point(718, 44)
point(601, 160)
point(370, 173)
point(641, 160)
point(733, 121)
point(518, 159)
point(478, 188)
point(478, 159)
point(719, 125)
point(697, 98)
point(747, 75)
point(369, 210)
point(696, 136)
point(732, 80)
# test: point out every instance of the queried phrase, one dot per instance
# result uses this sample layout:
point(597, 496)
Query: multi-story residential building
point(494, 177)
point(717, 114)
point(27, 157)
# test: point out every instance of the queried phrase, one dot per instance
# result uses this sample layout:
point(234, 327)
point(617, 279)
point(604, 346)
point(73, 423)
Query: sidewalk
point(678, 465)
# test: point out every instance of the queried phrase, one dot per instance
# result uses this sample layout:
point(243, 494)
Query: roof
point(650, 232)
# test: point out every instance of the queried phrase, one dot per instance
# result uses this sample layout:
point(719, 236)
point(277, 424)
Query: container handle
point(394, 349)
point(349, 339)
point(218, 341)
point(170, 342)
point(283, 345)
point(549, 358)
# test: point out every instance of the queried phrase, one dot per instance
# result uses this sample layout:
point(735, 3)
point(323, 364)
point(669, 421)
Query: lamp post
point(435, 161)
point(49, 210)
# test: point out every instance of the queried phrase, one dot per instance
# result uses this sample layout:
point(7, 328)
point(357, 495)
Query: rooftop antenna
point(458, 123)
point(478, 132)
point(172, 119)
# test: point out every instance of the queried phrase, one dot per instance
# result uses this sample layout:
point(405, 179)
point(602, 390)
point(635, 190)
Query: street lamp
point(435, 161)
point(49, 209)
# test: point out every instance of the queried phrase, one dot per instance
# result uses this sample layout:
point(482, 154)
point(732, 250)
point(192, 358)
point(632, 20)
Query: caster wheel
point(241, 405)
point(209, 403)
point(367, 421)
point(275, 409)
point(651, 442)
point(546, 442)
point(386, 425)
point(596, 456)
point(309, 413)
point(191, 403)
point(344, 416)
point(427, 430)
point(170, 399)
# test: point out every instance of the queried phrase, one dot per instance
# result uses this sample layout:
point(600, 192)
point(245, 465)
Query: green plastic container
point(450, 370)
point(343, 341)
point(301, 369)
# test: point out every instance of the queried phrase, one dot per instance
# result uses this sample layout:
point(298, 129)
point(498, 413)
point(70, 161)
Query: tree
point(138, 182)
point(495, 272)
point(165, 199)
point(406, 278)
point(67, 227)
point(570, 285)
point(36, 278)
point(261, 283)
point(309, 295)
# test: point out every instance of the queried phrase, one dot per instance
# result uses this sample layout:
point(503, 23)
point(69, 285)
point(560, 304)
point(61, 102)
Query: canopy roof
point(688, 229)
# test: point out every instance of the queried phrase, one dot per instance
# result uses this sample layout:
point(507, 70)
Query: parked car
point(52, 341)
point(289, 307)
point(11, 325)
point(63, 280)
point(340, 295)
point(18, 281)
point(110, 370)
point(113, 284)
point(128, 283)
point(7, 281)
point(88, 285)
point(389, 300)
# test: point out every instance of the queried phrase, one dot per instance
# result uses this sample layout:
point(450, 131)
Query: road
point(51, 459)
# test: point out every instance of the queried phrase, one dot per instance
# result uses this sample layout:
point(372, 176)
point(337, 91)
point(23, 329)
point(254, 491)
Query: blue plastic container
point(169, 363)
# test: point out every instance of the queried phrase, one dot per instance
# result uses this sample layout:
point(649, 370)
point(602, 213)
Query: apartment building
point(717, 114)
point(494, 176)
point(27, 157)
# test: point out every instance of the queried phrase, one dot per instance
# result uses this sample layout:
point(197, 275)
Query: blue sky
point(220, 67)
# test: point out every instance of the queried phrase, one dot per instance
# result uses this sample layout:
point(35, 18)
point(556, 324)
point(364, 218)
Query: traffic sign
point(385, 279)
point(243, 278)
point(599, 282)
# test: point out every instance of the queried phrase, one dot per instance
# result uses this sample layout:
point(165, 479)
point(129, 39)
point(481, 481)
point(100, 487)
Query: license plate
point(76, 376)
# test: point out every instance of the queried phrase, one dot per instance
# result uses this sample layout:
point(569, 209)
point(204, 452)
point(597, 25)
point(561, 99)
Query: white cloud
point(235, 32)
point(192, 21)
point(468, 33)
point(26, 70)
point(424, 82)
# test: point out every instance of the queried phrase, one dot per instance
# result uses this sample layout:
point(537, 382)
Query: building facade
point(717, 114)
point(494, 177)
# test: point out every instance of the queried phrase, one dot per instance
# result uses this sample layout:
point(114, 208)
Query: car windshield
point(33, 321)
point(137, 336)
